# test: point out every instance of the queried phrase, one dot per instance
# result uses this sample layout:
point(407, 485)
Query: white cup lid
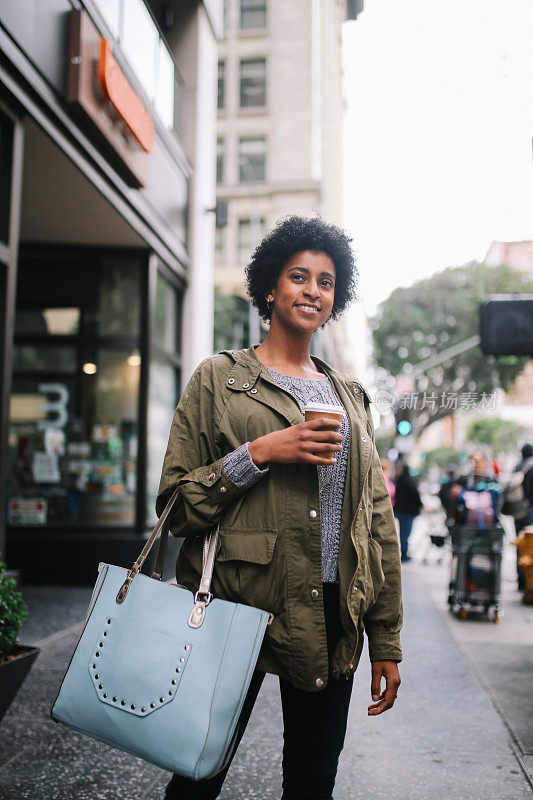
point(325, 408)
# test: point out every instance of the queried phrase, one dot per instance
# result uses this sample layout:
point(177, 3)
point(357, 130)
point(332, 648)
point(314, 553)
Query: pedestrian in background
point(447, 481)
point(407, 506)
point(524, 466)
point(241, 456)
point(388, 474)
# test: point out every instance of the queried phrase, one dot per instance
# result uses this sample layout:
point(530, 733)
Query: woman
point(306, 536)
point(407, 506)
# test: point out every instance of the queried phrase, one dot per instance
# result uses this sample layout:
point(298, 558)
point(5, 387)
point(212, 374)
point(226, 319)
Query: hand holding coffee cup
point(325, 412)
point(315, 441)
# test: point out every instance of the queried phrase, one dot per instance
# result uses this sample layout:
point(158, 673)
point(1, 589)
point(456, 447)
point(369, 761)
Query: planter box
point(13, 672)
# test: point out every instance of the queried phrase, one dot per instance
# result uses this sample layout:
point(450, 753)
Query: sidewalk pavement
point(462, 726)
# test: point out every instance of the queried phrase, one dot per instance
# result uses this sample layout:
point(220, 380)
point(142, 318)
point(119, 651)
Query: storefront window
point(53, 321)
point(119, 300)
point(78, 468)
point(74, 408)
point(110, 10)
point(140, 42)
point(167, 316)
point(47, 358)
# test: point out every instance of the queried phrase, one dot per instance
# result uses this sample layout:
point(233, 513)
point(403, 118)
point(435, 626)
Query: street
point(460, 728)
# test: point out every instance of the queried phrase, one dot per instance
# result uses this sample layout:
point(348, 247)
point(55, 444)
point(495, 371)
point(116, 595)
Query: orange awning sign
point(128, 105)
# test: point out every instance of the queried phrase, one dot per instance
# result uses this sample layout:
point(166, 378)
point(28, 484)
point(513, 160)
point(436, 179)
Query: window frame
point(221, 84)
point(244, 181)
point(253, 5)
point(243, 63)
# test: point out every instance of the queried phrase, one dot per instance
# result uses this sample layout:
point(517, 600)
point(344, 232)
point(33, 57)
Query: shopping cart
point(475, 578)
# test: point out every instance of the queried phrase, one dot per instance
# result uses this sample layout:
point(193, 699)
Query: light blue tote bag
point(159, 672)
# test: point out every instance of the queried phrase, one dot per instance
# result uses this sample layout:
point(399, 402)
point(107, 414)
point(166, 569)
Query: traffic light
point(404, 426)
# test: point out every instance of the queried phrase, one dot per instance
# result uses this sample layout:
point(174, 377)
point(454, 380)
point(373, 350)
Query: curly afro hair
point(293, 235)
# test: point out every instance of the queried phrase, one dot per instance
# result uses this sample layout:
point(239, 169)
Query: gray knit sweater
point(239, 466)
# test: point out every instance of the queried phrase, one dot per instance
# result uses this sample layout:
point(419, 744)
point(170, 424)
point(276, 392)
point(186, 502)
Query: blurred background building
point(279, 144)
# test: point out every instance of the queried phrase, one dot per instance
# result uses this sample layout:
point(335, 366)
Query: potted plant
point(15, 659)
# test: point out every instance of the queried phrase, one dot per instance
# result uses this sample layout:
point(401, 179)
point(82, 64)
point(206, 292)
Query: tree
point(231, 328)
point(501, 435)
point(427, 318)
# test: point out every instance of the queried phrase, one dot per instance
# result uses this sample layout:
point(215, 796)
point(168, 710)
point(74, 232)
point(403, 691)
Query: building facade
point(107, 182)
point(279, 141)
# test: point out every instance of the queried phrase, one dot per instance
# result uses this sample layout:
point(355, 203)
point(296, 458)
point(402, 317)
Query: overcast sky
point(438, 132)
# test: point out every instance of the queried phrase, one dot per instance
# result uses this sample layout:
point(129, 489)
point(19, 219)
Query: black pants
point(314, 728)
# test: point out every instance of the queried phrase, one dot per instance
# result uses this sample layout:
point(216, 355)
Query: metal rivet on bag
point(178, 669)
point(94, 666)
point(152, 705)
point(187, 647)
point(114, 699)
point(105, 694)
point(143, 709)
point(161, 699)
point(105, 633)
point(253, 391)
point(109, 622)
point(231, 380)
point(245, 385)
point(96, 676)
point(100, 686)
point(181, 659)
point(174, 681)
point(170, 693)
point(132, 706)
point(101, 644)
point(122, 702)
point(97, 654)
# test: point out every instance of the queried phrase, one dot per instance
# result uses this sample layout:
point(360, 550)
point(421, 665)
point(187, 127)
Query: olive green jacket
point(269, 551)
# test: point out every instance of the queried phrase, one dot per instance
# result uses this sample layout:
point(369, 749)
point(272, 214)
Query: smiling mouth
point(307, 308)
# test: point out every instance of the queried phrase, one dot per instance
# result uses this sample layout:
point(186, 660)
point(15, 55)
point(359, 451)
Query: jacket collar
point(247, 368)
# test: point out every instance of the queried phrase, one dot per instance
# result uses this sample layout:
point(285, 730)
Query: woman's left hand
point(388, 670)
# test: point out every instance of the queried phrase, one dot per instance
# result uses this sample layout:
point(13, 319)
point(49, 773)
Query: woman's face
point(305, 291)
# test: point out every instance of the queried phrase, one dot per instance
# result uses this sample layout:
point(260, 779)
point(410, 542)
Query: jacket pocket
point(247, 570)
point(257, 547)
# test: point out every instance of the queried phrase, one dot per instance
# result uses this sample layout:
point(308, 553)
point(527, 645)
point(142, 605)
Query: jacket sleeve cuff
point(385, 648)
point(240, 468)
point(211, 485)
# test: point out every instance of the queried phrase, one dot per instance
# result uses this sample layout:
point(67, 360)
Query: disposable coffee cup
point(325, 411)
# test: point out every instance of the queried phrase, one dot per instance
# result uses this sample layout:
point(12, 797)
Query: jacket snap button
point(319, 683)
point(231, 380)
point(314, 594)
point(363, 438)
point(222, 488)
point(212, 476)
point(312, 513)
point(253, 391)
point(245, 385)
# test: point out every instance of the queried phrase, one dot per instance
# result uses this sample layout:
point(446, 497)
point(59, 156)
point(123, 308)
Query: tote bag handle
point(203, 595)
